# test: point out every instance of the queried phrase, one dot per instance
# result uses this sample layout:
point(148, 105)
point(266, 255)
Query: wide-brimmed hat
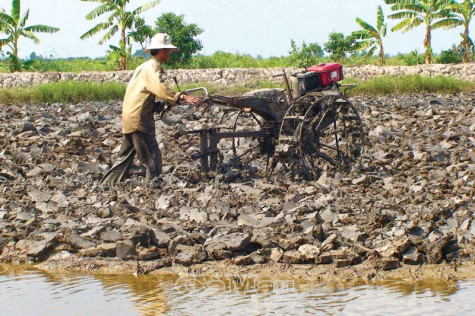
point(161, 41)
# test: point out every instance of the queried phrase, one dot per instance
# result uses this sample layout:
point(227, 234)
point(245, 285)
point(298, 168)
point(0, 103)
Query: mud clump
point(409, 202)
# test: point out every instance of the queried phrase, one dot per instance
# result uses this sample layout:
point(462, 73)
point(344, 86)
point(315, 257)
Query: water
point(26, 291)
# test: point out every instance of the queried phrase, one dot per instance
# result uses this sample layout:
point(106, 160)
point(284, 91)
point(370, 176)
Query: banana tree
point(434, 14)
point(2, 28)
point(13, 26)
point(119, 20)
point(371, 38)
point(464, 13)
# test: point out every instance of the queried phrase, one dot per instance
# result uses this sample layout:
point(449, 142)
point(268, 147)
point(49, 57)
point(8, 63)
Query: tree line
point(431, 14)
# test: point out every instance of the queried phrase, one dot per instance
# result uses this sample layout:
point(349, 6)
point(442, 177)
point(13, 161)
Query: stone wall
point(235, 76)
point(463, 71)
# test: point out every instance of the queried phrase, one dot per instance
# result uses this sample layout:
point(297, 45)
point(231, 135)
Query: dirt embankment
point(410, 203)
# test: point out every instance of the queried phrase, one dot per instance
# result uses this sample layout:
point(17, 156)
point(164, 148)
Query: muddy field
point(410, 202)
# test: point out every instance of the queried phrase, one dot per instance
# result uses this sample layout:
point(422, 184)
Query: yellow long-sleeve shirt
point(146, 84)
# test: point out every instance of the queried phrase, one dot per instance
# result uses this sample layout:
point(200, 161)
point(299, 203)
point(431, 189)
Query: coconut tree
point(464, 12)
point(371, 38)
point(13, 26)
point(434, 14)
point(119, 20)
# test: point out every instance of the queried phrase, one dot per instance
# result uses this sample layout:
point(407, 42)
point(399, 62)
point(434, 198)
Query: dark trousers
point(146, 147)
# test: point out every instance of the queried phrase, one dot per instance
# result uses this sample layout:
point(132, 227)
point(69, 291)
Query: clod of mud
point(411, 201)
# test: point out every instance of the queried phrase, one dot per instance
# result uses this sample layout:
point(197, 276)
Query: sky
point(255, 27)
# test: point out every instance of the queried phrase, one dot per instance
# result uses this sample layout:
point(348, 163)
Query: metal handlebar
point(348, 86)
point(205, 91)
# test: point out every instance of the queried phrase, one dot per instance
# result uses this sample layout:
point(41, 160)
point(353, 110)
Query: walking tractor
point(309, 126)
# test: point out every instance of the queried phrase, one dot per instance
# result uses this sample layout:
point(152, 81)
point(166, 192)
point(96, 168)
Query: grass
point(410, 84)
point(75, 92)
point(233, 90)
point(229, 60)
point(64, 92)
point(69, 65)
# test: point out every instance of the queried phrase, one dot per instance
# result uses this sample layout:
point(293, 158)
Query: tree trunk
point(16, 63)
point(466, 53)
point(122, 58)
point(382, 56)
point(427, 45)
point(15, 51)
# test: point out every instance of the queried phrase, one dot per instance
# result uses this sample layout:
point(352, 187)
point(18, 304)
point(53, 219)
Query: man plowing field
point(138, 124)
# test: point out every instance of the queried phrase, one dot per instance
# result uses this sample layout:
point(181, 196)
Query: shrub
point(450, 56)
point(306, 55)
point(339, 45)
point(414, 58)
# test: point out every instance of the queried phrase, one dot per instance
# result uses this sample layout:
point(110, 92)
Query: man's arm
point(157, 86)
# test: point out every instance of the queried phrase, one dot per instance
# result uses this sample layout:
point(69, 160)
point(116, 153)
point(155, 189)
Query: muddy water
point(26, 291)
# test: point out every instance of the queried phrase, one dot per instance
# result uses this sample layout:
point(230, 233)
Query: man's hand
point(192, 100)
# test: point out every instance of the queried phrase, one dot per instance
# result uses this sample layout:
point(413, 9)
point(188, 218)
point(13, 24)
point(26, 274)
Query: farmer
point(138, 124)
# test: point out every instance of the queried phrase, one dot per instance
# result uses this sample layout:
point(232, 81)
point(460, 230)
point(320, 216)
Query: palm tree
point(14, 27)
point(118, 20)
point(463, 16)
point(371, 38)
point(433, 14)
point(2, 31)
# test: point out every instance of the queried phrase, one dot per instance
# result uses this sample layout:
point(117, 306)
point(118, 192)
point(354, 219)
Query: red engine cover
point(329, 72)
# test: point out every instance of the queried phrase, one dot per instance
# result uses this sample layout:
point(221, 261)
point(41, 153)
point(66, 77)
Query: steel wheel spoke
point(333, 135)
point(257, 120)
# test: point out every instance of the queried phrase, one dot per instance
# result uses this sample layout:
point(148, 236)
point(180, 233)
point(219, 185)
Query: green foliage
point(304, 56)
point(413, 58)
point(116, 55)
point(183, 36)
point(434, 14)
point(410, 84)
point(464, 12)
point(397, 60)
point(217, 60)
point(14, 28)
point(40, 64)
point(64, 92)
point(119, 20)
point(370, 38)
point(339, 46)
point(228, 60)
point(141, 33)
point(450, 56)
point(234, 90)
point(14, 63)
point(75, 92)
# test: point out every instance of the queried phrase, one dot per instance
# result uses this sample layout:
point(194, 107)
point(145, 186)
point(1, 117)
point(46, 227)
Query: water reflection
point(403, 288)
point(79, 293)
point(26, 290)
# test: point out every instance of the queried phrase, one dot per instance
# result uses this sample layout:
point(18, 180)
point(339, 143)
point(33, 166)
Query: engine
point(316, 77)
